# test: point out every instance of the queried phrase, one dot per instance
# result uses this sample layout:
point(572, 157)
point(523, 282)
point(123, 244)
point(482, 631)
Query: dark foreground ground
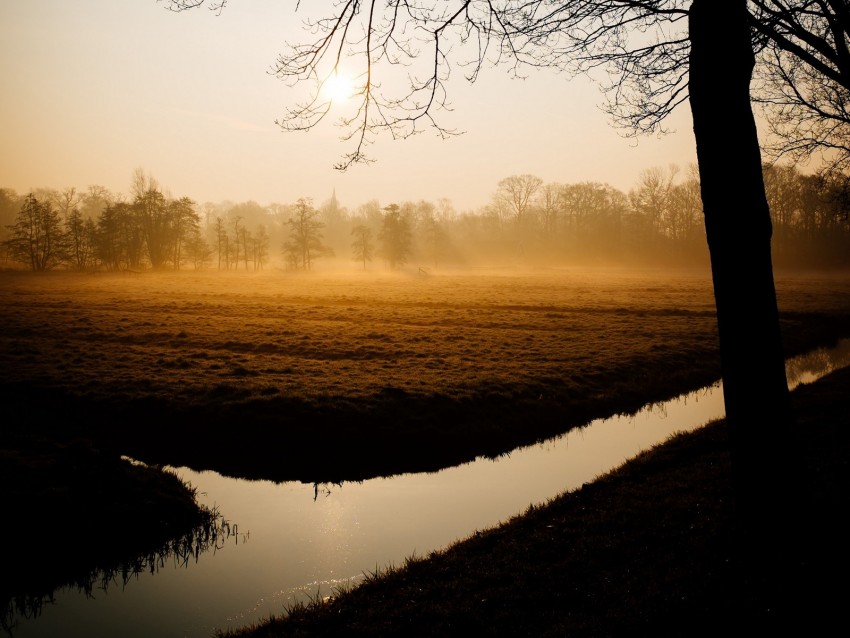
point(74, 515)
point(650, 549)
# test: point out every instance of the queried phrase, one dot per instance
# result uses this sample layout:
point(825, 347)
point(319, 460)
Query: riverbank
point(650, 548)
point(76, 516)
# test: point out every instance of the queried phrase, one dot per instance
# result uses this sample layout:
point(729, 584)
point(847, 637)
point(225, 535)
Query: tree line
point(527, 221)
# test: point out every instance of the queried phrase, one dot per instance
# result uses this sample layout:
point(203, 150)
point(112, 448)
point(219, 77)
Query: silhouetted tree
point(151, 209)
point(653, 199)
point(119, 237)
point(685, 222)
point(803, 79)
point(36, 237)
point(81, 240)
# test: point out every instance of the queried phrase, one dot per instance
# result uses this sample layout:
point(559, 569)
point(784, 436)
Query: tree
point(516, 195)
point(237, 237)
point(119, 237)
point(362, 244)
point(10, 204)
point(518, 192)
point(198, 250)
point(36, 236)
point(653, 197)
point(185, 224)
point(685, 225)
point(395, 237)
point(652, 56)
point(80, 235)
point(94, 200)
point(756, 396)
point(260, 247)
point(221, 243)
point(304, 243)
point(151, 209)
point(66, 202)
point(551, 209)
point(434, 237)
point(803, 79)
point(783, 191)
point(593, 214)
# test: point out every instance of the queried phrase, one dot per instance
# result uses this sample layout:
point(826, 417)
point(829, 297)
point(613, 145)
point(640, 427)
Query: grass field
point(336, 378)
point(340, 377)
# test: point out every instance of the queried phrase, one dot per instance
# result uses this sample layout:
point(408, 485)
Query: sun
point(338, 87)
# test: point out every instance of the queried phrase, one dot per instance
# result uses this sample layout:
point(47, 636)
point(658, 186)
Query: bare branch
point(402, 53)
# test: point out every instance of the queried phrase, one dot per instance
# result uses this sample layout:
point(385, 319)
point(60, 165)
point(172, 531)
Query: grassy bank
point(651, 548)
point(323, 379)
point(75, 516)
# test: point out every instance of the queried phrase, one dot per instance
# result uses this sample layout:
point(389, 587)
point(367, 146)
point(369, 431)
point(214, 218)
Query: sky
point(95, 89)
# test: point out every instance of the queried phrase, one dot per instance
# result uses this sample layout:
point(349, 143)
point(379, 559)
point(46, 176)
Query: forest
point(527, 222)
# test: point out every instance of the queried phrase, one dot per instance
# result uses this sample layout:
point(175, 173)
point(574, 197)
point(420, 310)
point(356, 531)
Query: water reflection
point(210, 536)
point(308, 540)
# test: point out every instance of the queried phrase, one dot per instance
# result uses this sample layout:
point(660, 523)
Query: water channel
point(295, 541)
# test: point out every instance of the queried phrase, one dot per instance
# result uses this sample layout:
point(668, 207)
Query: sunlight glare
point(338, 87)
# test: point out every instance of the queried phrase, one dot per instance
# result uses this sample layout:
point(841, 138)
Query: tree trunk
point(738, 229)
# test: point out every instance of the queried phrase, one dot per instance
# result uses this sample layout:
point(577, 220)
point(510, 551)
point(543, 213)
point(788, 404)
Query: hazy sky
point(93, 89)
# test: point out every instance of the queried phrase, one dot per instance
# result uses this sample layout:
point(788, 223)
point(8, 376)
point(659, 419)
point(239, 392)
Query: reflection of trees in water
point(661, 409)
point(211, 534)
point(325, 488)
point(818, 362)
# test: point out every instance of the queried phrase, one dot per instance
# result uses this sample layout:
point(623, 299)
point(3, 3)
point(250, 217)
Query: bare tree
point(653, 199)
point(518, 191)
point(67, 201)
point(803, 79)
point(651, 56)
point(551, 208)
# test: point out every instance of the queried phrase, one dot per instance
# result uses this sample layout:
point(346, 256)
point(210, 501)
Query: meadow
point(343, 376)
